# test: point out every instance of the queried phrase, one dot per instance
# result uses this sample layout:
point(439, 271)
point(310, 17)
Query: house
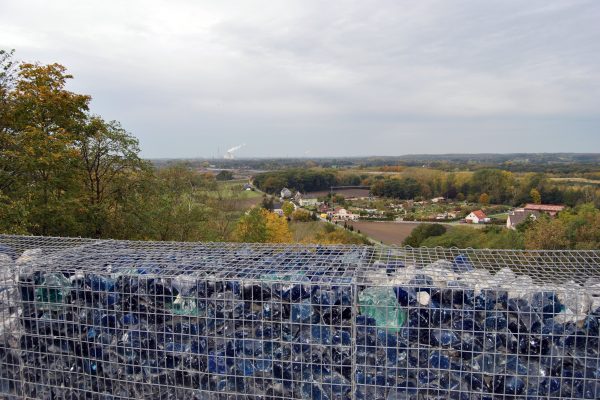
point(550, 209)
point(323, 208)
point(248, 186)
point(286, 193)
point(477, 217)
point(308, 202)
point(341, 214)
point(278, 209)
point(298, 197)
point(520, 215)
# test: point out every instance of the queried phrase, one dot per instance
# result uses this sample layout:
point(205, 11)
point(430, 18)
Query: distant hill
point(516, 162)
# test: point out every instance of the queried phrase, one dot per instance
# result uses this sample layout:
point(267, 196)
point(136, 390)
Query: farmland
point(386, 232)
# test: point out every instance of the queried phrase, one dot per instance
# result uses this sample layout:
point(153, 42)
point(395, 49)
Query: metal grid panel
point(116, 319)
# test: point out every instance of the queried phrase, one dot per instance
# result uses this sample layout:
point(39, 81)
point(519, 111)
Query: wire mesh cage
point(107, 319)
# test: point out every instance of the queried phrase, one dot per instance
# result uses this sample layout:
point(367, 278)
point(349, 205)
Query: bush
point(301, 215)
point(224, 176)
point(422, 232)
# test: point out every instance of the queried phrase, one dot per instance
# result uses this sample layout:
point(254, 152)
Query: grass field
point(341, 192)
point(323, 232)
point(580, 181)
point(235, 189)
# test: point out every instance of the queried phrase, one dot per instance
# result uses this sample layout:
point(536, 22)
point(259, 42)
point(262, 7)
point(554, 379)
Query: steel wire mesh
point(84, 318)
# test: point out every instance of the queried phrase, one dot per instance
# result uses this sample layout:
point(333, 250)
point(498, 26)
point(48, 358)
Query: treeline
point(303, 180)
point(497, 186)
point(65, 171)
point(550, 163)
point(577, 228)
point(494, 185)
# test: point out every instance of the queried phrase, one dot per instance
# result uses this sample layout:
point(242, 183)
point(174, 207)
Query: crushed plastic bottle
point(381, 304)
point(185, 303)
point(53, 291)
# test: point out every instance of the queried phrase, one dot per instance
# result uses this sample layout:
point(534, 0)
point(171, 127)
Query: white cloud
point(217, 72)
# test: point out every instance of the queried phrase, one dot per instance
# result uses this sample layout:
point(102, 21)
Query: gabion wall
point(92, 319)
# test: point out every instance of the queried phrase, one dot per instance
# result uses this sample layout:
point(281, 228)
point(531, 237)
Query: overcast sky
point(327, 78)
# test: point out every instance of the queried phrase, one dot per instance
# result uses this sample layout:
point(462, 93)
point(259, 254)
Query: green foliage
point(407, 188)
point(66, 172)
point(573, 229)
point(267, 203)
point(535, 195)
point(303, 180)
point(422, 232)
point(224, 175)
point(302, 215)
point(464, 236)
point(288, 208)
point(252, 227)
point(261, 226)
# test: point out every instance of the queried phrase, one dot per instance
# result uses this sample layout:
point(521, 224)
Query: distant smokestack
point(229, 154)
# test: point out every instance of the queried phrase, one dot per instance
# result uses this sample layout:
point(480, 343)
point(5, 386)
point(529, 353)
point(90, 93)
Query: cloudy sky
point(327, 78)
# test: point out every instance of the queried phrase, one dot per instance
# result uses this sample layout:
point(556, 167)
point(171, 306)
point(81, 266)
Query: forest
point(407, 183)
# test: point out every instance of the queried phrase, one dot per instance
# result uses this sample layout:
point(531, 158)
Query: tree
point(288, 208)
point(252, 227)
point(484, 199)
point(267, 203)
point(7, 142)
point(278, 230)
point(224, 175)
point(47, 117)
point(498, 184)
point(261, 226)
point(302, 215)
point(547, 234)
point(108, 154)
point(535, 195)
point(422, 232)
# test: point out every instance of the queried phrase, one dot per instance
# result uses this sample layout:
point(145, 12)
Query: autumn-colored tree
point(535, 195)
point(278, 230)
point(47, 117)
point(261, 226)
point(484, 199)
point(302, 215)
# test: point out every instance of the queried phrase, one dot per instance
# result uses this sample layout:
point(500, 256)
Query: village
point(360, 205)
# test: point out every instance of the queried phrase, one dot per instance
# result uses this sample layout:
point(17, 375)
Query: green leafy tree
point(252, 227)
point(547, 234)
point(422, 232)
point(108, 155)
point(302, 215)
point(288, 208)
point(267, 203)
point(535, 196)
point(224, 175)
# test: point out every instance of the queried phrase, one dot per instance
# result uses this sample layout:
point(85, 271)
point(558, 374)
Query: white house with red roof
point(477, 217)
